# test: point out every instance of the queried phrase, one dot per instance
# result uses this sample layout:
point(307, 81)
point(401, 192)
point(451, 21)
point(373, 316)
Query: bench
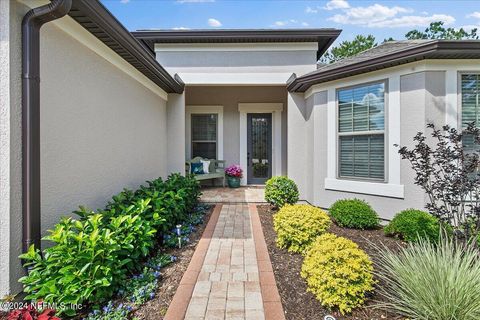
point(216, 169)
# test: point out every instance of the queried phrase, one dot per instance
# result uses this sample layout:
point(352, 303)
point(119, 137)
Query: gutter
point(31, 24)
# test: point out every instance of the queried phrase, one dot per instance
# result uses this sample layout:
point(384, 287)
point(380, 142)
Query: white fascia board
point(212, 79)
point(210, 47)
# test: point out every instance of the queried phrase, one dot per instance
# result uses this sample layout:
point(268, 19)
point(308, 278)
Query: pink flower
point(234, 171)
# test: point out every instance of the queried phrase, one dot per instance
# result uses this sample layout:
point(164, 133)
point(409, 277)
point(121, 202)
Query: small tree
point(349, 48)
point(436, 30)
point(449, 173)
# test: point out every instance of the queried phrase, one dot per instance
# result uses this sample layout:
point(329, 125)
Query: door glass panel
point(260, 145)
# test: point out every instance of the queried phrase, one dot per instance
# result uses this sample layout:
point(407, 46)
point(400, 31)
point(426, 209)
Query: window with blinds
point(204, 135)
point(361, 131)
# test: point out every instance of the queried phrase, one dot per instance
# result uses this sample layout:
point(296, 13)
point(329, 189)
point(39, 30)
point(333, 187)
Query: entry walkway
point(230, 275)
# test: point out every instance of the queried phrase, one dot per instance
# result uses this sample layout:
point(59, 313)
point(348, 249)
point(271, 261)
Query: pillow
point(197, 168)
point(206, 165)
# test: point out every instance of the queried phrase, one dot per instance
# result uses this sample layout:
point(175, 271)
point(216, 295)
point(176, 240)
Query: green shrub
point(88, 260)
point(431, 281)
point(337, 272)
point(411, 224)
point(354, 213)
point(91, 257)
point(280, 191)
point(298, 225)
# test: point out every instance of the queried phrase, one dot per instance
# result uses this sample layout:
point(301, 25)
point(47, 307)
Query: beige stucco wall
point(214, 58)
point(101, 131)
point(422, 100)
point(229, 98)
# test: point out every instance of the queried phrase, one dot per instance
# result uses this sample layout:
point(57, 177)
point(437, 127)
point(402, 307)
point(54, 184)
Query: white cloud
point(180, 28)
point(336, 4)
point(380, 16)
point(194, 1)
point(475, 15)
point(290, 22)
point(124, 1)
point(366, 15)
point(413, 21)
point(214, 23)
point(470, 27)
point(311, 10)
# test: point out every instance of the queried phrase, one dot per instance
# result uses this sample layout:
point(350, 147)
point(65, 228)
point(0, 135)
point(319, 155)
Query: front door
point(259, 147)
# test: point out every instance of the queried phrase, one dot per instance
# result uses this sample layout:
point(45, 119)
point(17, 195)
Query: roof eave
point(303, 83)
point(95, 18)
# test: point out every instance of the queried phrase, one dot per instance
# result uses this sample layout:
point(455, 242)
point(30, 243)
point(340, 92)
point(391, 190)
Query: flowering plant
point(234, 171)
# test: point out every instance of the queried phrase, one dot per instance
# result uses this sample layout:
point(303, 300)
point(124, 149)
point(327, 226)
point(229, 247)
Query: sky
point(383, 19)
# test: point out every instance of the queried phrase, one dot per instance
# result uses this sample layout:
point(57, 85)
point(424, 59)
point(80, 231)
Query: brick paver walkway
point(235, 279)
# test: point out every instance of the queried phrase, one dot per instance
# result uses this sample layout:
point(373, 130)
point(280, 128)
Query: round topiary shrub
point(297, 226)
point(337, 272)
point(411, 224)
point(281, 190)
point(354, 213)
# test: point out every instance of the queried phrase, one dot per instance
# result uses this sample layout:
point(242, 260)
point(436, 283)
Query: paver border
point(181, 299)
point(272, 303)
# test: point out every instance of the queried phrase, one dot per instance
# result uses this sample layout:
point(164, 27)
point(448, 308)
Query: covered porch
point(244, 125)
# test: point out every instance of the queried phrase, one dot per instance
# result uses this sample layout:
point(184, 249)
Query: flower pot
point(233, 182)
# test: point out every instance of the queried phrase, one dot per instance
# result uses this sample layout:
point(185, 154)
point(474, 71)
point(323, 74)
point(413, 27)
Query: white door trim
point(276, 110)
point(189, 110)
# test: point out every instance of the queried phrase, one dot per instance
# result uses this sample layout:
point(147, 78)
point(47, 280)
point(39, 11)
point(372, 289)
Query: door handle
point(248, 159)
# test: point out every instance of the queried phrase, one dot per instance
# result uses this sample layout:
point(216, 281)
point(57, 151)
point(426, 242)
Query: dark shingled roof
point(95, 18)
point(387, 55)
point(323, 36)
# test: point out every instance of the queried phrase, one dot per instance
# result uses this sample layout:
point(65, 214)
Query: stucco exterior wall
point(101, 130)
point(299, 62)
point(10, 146)
point(229, 98)
point(422, 100)
point(175, 130)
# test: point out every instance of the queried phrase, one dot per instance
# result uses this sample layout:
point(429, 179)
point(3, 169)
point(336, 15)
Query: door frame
point(276, 110)
point(249, 169)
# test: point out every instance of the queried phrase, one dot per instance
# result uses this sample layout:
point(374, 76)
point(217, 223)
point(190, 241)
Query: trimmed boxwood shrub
point(337, 272)
point(411, 224)
point(280, 191)
point(298, 225)
point(354, 213)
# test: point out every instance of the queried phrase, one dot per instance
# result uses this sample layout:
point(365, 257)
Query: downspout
point(31, 24)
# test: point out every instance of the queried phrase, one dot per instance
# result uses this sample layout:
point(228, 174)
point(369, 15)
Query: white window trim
point(189, 110)
point(391, 187)
point(276, 110)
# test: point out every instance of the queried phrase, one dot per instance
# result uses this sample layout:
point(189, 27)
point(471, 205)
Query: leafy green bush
point(431, 281)
point(298, 225)
point(337, 272)
point(280, 191)
point(354, 213)
point(91, 257)
point(87, 259)
point(411, 224)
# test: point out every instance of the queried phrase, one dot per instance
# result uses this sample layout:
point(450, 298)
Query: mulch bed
point(156, 308)
point(299, 304)
point(171, 276)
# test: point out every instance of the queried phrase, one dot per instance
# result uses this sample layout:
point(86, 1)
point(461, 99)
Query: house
point(115, 108)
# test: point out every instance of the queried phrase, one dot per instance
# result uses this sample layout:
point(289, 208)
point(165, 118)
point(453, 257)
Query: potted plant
point(234, 173)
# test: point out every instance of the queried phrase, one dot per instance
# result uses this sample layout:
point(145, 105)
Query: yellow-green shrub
point(337, 272)
point(298, 225)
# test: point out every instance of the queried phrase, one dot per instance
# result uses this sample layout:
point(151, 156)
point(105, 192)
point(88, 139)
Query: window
point(470, 91)
point(204, 135)
point(361, 131)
